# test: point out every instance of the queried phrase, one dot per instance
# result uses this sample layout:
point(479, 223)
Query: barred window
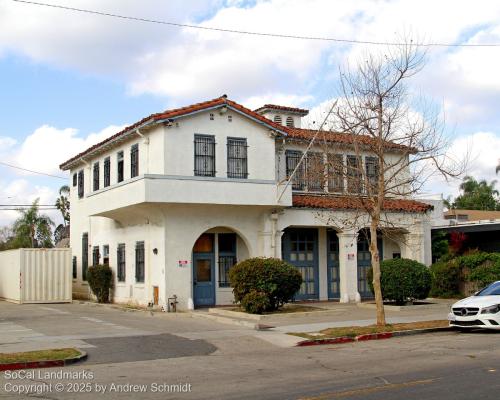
point(335, 173)
point(74, 267)
point(74, 179)
point(292, 159)
point(80, 184)
point(105, 254)
point(96, 176)
point(85, 255)
point(372, 171)
point(119, 166)
point(204, 155)
point(277, 119)
point(315, 167)
point(95, 255)
point(289, 122)
point(227, 256)
point(134, 161)
point(354, 184)
point(107, 172)
point(237, 160)
point(139, 262)
point(120, 257)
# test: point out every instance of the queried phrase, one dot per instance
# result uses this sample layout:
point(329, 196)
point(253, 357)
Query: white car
point(482, 310)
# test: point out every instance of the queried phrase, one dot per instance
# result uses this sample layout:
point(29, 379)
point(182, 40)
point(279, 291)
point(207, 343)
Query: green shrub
point(402, 280)
point(446, 279)
point(485, 274)
point(100, 278)
point(271, 277)
point(255, 302)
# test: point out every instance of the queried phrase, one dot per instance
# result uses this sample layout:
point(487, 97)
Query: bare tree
point(396, 144)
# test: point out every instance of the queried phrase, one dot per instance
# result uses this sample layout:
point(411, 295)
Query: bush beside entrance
point(403, 280)
point(100, 279)
point(264, 284)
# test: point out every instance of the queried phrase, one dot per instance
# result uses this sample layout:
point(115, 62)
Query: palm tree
point(62, 203)
point(33, 229)
point(477, 195)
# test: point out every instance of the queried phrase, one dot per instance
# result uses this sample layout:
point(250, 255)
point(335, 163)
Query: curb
point(44, 363)
point(370, 336)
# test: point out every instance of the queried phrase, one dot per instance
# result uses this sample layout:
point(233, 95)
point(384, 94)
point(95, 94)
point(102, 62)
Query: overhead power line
point(33, 172)
point(241, 32)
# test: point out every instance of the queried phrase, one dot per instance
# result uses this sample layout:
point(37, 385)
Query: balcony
point(186, 190)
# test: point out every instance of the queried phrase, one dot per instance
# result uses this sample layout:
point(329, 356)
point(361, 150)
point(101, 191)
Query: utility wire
point(241, 32)
point(33, 172)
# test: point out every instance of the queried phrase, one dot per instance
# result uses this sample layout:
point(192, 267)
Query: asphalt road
point(433, 366)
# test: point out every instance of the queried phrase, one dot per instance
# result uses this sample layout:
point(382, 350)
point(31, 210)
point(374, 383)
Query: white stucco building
point(173, 201)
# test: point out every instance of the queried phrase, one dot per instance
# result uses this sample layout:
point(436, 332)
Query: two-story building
point(173, 201)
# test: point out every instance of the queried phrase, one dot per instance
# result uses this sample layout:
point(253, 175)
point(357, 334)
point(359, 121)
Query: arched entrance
point(214, 253)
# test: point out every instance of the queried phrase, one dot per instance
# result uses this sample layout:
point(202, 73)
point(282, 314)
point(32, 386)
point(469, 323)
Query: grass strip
point(352, 331)
point(38, 355)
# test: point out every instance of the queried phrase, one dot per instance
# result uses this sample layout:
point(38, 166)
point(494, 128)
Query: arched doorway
point(214, 253)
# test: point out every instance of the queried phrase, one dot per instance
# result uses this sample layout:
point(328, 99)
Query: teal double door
point(365, 263)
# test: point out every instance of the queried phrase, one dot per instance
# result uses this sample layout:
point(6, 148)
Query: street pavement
point(203, 359)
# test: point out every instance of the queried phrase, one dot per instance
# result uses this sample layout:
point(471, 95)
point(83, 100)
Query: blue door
point(364, 264)
point(333, 265)
point(203, 279)
point(300, 248)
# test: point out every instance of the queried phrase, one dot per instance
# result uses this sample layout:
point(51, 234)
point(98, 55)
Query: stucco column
point(277, 245)
point(414, 248)
point(348, 265)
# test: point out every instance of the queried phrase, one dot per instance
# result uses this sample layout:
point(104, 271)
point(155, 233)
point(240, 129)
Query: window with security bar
point(139, 262)
point(204, 155)
point(85, 255)
point(119, 166)
point(292, 159)
point(336, 173)
point(107, 172)
point(80, 184)
point(95, 255)
point(354, 176)
point(96, 176)
point(237, 161)
point(120, 257)
point(372, 171)
point(134, 161)
point(315, 168)
point(227, 256)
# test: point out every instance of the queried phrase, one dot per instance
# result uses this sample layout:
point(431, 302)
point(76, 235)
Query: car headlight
point(491, 309)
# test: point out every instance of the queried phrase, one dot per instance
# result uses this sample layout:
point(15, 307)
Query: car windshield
point(492, 290)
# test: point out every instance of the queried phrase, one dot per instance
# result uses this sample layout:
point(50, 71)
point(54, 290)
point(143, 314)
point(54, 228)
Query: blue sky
point(68, 80)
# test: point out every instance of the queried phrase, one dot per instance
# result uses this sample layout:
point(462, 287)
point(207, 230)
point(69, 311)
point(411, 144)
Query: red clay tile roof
point(177, 113)
point(343, 138)
point(297, 133)
point(283, 108)
point(356, 203)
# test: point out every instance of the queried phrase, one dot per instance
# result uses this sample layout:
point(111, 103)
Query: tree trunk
point(376, 273)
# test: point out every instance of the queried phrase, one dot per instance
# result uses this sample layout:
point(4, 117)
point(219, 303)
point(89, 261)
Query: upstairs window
point(278, 120)
point(139, 262)
point(372, 171)
point(292, 159)
point(354, 184)
point(74, 179)
point(105, 254)
point(107, 172)
point(315, 167)
point(85, 255)
point(237, 161)
point(120, 257)
point(289, 122)
point(134, 161)
point(335, 166)
point(95, 255)
point(80, 184)
point(96, 176)
point(119, 166)
point(204, 155)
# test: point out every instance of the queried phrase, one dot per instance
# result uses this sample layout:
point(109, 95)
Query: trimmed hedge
point(264, 284)
point(100, 279)
point(403, 280)
point(446, 278)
